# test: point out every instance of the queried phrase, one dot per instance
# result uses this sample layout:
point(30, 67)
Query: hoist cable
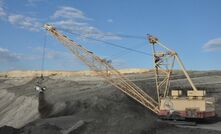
point(109, 43)
point(43, 55)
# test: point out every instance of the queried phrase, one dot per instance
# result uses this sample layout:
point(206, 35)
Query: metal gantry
point(104, 69)
point(164, 60)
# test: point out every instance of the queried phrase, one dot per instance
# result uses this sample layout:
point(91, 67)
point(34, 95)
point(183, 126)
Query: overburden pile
point(70, 106)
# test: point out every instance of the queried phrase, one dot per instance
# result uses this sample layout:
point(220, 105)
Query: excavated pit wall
point(17, 107)
point(17, 111)
point(103, 108)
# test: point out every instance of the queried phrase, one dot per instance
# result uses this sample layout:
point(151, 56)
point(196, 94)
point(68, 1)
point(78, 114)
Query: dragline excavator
point(170, 103)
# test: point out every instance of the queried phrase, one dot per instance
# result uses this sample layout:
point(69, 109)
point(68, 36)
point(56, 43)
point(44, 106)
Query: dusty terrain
point(80, 104)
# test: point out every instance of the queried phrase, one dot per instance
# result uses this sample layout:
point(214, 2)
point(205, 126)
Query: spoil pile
point(90, 106)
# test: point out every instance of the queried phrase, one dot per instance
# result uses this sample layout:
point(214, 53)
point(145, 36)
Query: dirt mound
point(17, 111)
point(95, 107)
point(8, 130)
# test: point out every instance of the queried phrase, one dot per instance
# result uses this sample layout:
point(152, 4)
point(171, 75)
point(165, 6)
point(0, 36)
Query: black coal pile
point(95, 107)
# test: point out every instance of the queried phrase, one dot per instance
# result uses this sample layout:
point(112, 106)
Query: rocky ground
point(89, 105)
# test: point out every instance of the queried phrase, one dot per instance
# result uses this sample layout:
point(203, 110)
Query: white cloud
point(2, 11)
point(70, 13)
point(110, 21)
point(32, 1)
point(62, 59)
point(213, 45)
point(65, 18)
point(50, 53)
point(7, 56)
point(74, 20)
point(24, 22)
point(58, 59)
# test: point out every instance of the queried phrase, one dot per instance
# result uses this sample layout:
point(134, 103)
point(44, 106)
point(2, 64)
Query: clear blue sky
point(191, 27)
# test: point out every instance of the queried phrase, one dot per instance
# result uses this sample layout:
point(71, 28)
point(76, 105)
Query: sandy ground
point(89, 105)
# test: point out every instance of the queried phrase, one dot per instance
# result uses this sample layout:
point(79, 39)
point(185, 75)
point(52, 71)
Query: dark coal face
point(8, 130)
point(104, 109)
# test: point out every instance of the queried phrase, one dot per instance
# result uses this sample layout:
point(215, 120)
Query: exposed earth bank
point(89, 105)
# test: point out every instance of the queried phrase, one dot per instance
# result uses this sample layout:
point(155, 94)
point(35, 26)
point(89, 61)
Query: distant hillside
point(28, 73)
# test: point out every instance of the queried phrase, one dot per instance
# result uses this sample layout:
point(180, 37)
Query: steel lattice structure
point(104, 69)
